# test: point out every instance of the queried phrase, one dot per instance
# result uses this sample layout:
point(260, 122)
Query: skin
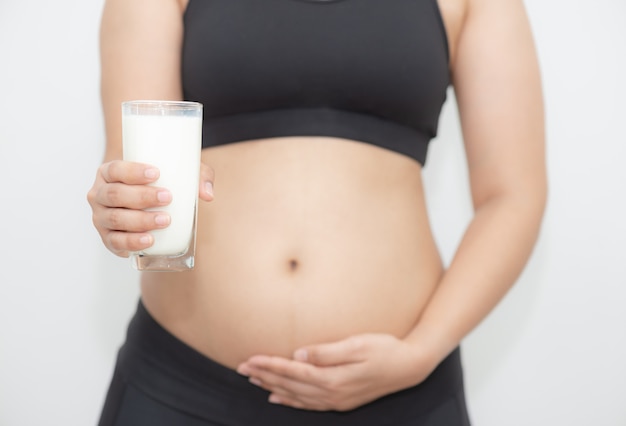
point(317, 275)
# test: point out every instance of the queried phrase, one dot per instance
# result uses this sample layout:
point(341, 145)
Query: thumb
point(207, 176)
point(345, 351)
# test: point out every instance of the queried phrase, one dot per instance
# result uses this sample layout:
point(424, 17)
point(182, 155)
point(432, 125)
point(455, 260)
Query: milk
point(172, 144)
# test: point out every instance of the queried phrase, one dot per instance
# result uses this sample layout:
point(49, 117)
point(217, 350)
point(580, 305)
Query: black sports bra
point(374, 71)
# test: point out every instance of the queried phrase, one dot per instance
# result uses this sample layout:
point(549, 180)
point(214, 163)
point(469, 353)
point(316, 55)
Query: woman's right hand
point(118, 198)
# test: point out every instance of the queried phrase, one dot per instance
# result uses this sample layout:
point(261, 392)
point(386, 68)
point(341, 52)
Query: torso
point(308, 240)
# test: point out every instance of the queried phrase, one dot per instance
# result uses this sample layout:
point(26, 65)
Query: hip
point(160, 380)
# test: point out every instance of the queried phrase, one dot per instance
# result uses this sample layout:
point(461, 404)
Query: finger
point(345, 351)
point(132, 196)
point(282, 385)
point(289, 392)
point(282, 367)
point(207, 176)
point(322, 402)
point(127, 220)
point(128, 172)
point(304, 403)
point(121, 243)
point(291, 402)
point(301, 403)
point(323, 392)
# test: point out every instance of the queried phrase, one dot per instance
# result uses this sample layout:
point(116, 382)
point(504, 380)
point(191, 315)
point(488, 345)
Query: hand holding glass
point(167, 135)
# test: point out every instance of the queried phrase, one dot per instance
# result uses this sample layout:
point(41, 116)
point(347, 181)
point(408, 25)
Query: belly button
point(293, 265)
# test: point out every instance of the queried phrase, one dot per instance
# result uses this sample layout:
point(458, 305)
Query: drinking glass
point(167, 135)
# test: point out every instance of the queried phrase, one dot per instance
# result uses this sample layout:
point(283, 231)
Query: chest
point(388, 57)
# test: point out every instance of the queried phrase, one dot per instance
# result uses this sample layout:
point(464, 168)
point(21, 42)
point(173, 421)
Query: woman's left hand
point(341, 375)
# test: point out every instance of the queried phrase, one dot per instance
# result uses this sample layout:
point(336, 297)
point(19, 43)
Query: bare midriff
point(308, 240)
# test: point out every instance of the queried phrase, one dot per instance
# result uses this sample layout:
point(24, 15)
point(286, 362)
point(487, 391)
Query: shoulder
point(182, 5)
point(495, 35)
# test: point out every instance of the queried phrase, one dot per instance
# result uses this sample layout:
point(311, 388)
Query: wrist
point(429, 348)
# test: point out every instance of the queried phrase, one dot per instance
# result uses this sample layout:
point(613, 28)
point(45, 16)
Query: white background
point(553, 353)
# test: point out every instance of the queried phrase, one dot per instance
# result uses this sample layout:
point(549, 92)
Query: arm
point(137, 60)
point(140, 49)
point(498, 89)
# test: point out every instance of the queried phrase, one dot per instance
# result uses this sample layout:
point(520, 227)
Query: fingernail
point(164, 196)
point(151, 173)
point(208, 187)
point(162, 219)
point(300, 355)
point(243, 371)
point(145, 239)
point(274, 399)
point(255, 381)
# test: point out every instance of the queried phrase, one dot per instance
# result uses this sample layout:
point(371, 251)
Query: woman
point(318, 295)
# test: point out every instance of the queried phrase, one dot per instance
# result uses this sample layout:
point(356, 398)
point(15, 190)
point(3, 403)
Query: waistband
point(168, 370)
point(329, 122)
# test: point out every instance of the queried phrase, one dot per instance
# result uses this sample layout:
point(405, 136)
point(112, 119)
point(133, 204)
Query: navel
point(293, 265)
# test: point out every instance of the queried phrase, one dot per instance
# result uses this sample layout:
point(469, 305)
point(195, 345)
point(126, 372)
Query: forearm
point(492, 254)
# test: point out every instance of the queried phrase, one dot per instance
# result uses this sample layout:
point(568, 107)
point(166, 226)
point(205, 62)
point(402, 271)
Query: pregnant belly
point(299, 250)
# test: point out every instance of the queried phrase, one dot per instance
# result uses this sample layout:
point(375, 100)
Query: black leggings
point(159, 380)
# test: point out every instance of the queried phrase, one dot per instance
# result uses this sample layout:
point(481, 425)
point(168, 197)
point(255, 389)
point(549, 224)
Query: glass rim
point(148, 104)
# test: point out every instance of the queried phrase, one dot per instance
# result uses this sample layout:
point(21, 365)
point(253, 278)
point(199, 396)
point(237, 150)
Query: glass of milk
point(167, 135)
